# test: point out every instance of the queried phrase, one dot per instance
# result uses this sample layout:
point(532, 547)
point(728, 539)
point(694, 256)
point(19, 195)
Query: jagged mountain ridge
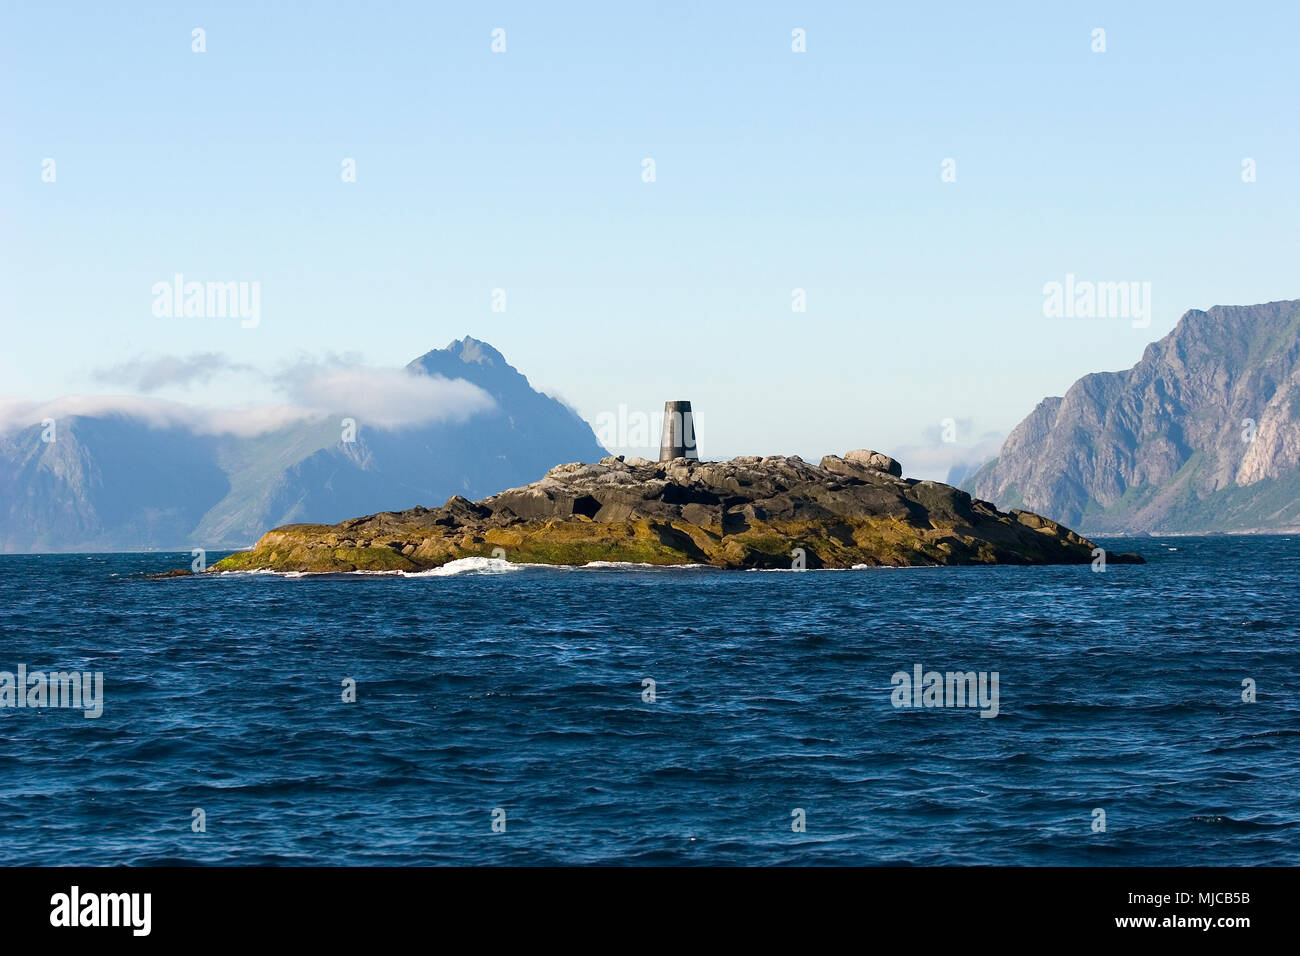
point(1201, 435)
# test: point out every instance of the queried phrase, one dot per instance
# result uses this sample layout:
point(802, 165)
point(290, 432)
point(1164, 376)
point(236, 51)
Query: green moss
point(536, 551)
point(317, 560)
point(772, 544)
point(241, 561)
point(373, 559)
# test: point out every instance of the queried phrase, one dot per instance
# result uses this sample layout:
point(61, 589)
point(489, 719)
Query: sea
point(502, 714)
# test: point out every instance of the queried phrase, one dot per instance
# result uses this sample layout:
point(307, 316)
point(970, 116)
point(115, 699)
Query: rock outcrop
point(749, 512)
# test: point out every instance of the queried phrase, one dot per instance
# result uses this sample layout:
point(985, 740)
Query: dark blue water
point(523, 691)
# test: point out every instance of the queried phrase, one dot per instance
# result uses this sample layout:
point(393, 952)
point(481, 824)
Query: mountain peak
point(470, 349)
point(468, 358)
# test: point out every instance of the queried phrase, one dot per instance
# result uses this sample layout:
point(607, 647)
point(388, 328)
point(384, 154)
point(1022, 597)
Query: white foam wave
point(641, 565)
point(467, 566)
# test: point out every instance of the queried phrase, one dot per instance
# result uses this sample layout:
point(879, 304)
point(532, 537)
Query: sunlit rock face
point(1203, 434)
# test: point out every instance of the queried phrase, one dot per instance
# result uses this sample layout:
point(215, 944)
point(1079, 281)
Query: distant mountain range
point(1202, 435)
point(119, 483)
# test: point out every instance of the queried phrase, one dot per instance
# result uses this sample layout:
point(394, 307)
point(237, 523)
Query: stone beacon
point(679, 432)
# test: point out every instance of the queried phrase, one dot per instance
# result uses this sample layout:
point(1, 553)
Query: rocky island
point(749, 512)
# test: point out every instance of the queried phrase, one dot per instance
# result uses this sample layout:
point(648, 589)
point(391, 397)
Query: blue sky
point(522, 171)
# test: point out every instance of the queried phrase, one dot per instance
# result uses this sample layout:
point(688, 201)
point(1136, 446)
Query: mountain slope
point(111, 479)
point(116, 483)
point(525, 434)
point(1203, 434)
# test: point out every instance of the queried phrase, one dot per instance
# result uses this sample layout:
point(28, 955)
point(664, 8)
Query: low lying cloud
point(313, 390)
point(387, 397)
point(244, 421)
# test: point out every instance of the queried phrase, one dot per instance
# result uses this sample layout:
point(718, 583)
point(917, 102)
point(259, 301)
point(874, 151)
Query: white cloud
point(387, 397)
point(155, 413)
point(376, 396)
